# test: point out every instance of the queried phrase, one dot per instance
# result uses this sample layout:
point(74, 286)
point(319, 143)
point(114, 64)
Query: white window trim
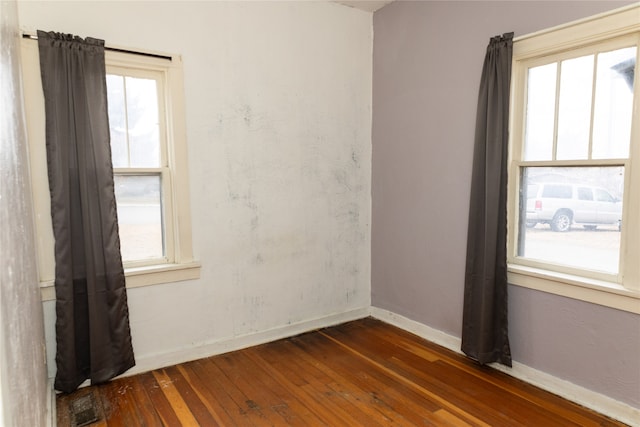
point(594, 29)
point(181, 265)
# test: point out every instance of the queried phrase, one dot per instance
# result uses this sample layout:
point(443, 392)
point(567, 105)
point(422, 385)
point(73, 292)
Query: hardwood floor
point(362, 373)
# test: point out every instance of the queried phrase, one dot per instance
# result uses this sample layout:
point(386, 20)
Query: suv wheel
point(561, 221)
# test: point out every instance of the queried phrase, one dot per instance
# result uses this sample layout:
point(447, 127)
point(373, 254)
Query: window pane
point(139, 216)
point(142, 116)
point(571, 216)
point(117, 121)
point(614, 104)
point(574, 110)
point(541, 101)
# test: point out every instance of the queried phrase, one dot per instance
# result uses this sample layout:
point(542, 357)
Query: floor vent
point(84, 410)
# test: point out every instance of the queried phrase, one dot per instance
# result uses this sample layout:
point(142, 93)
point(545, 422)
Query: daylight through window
point(574, 204)
point(134, 121)
point(577, 135)
point(149, 155)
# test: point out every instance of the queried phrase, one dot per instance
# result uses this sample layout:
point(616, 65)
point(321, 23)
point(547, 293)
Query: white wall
point(278, 111)
point(23, 381)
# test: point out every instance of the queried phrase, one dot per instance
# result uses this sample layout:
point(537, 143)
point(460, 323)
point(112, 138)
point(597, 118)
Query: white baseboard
point(51, 414)
point(580, 395)
point(435, 336)
point(147, 363)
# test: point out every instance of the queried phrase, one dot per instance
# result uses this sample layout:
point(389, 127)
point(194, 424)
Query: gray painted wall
point(427, 61)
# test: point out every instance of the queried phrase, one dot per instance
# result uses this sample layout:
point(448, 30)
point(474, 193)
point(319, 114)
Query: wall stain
point(355, 158)
point(247, 115)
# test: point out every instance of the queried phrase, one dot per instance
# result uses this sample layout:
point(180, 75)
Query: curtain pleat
point(92, 324)
point(485, 325)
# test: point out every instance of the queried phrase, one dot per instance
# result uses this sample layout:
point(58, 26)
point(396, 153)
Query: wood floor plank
point(360, 381)
point(218, 414)
point(146, 409)
point(317, 394)
point(218, 395)
point(325, 415)
point(239, 408)
point(304, 412)
point(381, 363)
point(180, 407)
point(475, 397)
point(361, 373)
point(466, 392)
point(325, 386)
point(383, 388)
point(258, 399)
point(558, 409)
point(196, 407)
point(272, 394)
point(470, 393)
point(160, 402)
point(119, 405)
point(568, 416)
point(138, 400)
point(446, 419)
point(62, 410)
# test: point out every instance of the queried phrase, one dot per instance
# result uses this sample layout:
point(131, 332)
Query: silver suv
point(562, 205)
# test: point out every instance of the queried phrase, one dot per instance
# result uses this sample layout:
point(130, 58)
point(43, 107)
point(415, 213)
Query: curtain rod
point(114, 49)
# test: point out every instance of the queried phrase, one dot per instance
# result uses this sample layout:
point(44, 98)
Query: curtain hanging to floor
point(92, 323)
point(484, 325)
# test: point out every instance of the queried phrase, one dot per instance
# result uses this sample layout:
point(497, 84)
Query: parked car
point(561, 205)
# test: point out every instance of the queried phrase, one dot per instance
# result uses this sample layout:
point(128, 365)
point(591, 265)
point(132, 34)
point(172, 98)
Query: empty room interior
point(315, 169)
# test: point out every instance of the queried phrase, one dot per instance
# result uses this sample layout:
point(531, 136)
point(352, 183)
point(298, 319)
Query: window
point(574, 198)
point(140, 164)
point(145, 98)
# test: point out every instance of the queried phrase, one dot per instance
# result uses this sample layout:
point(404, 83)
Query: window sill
point(142, 276)
point(594, 291)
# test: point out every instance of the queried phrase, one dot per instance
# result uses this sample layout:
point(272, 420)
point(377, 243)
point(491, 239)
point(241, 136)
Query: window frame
point(163, 170)
point(621, 291)
point(178, 263)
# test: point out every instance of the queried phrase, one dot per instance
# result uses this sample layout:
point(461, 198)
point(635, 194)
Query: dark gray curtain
point(92, 324)
point(484, 325)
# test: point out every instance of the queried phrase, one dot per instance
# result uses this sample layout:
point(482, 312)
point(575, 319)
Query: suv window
point(603, 196)
point(585, 193)
point(557, 191)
